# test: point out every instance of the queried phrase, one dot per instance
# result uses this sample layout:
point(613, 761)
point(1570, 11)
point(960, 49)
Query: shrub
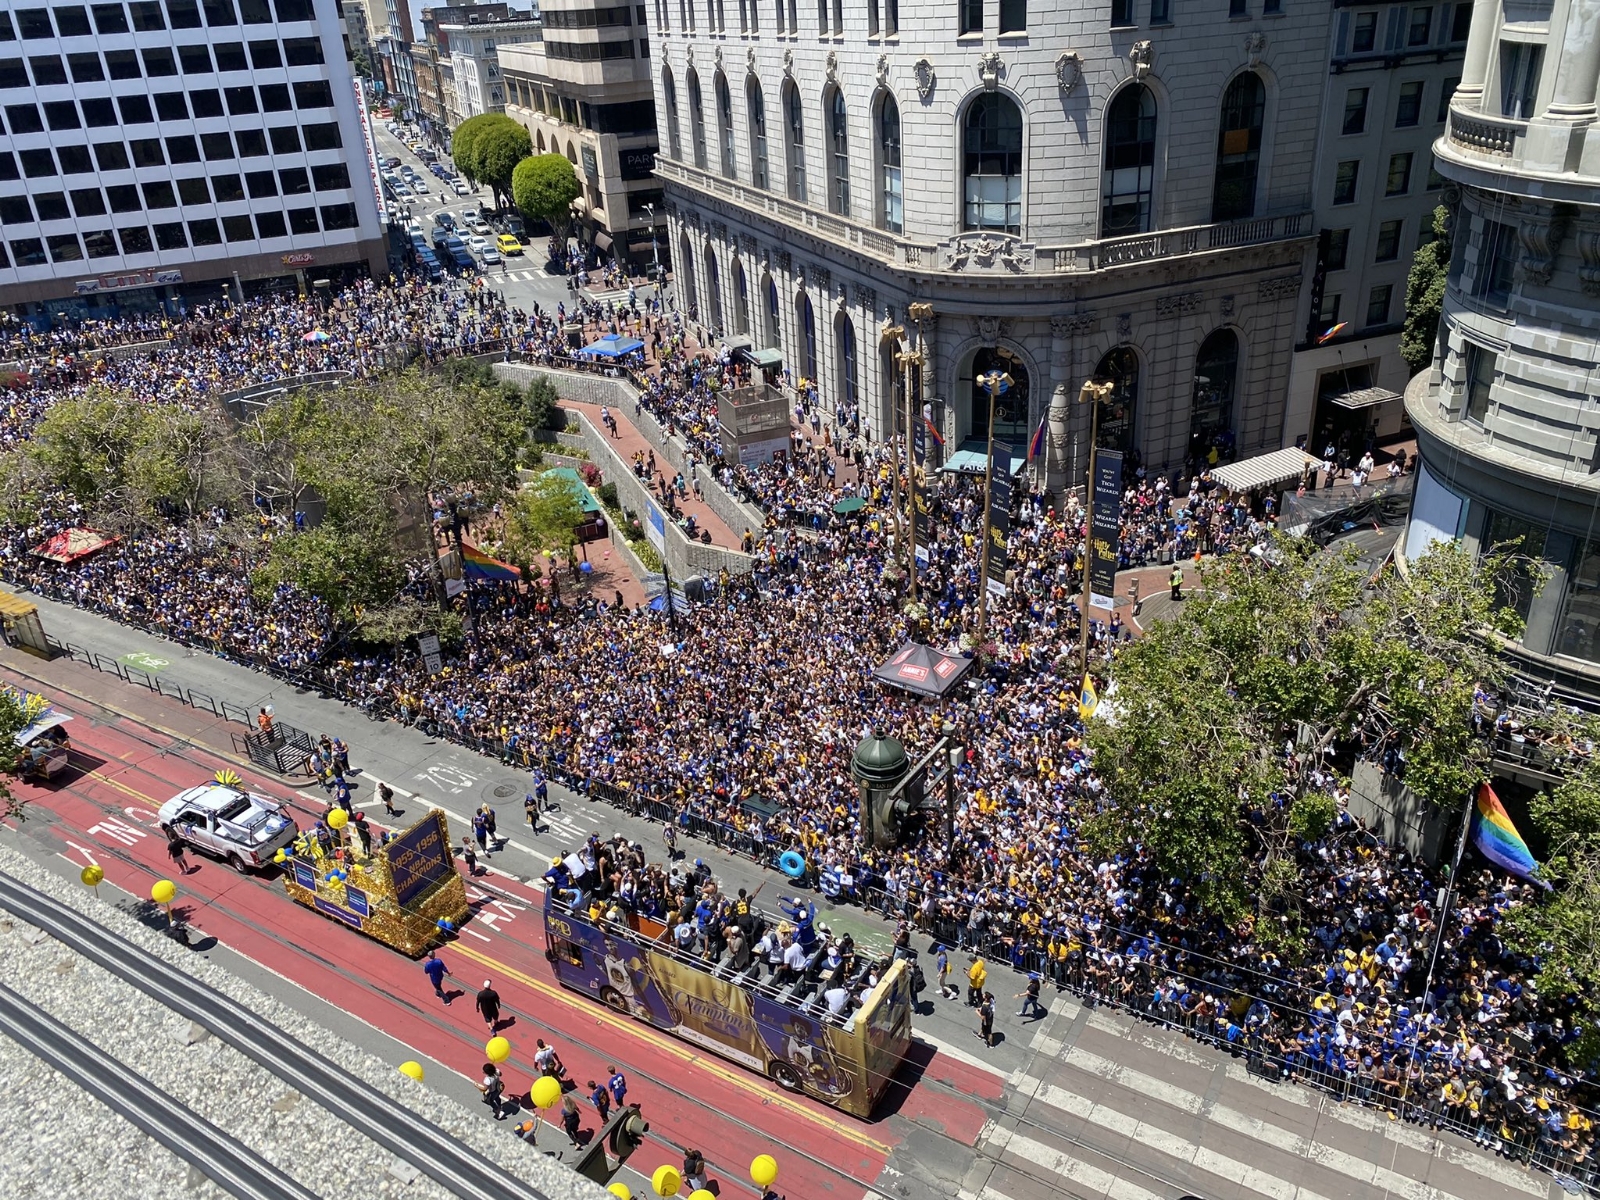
point(608, 495)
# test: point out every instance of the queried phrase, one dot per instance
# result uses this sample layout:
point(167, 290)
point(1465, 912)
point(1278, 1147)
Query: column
point(1579, 70)
point(1058, 437)
point(1480, 42)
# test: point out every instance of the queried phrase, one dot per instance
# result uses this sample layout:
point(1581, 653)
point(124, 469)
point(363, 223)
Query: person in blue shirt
point(433, 967)
point(618, 1083)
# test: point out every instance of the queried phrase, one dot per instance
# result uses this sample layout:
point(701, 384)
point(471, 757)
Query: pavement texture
point(1081, 1103)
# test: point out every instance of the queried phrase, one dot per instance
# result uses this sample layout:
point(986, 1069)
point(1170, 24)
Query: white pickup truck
point(225, 821)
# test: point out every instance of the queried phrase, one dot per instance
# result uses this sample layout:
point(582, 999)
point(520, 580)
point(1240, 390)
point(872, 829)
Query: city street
point(1081, 1103)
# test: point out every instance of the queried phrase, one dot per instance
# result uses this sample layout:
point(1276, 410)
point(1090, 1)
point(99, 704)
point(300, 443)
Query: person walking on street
point(694, 1171)
point(480, 830)
point(489, 825)
point(386, 794)
point(341, 757)
point(175, 850)
point(341, 794)
point(977, 976)
point(1176, 580)
point(548, 1061)
point(469, 855)
point(488, 1005)
point(493, 1088)
point(1030, 999)
point(433, 967)
point(530, 805)
point(601, 1099)
point(572, 1118)
point(618, 1083)
point(986, 1019)
point(941, 959)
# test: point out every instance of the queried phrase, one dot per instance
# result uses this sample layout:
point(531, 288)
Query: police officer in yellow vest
point(1177, 581)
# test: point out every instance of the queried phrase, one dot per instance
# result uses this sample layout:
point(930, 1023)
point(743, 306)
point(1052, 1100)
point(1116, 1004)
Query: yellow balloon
point(666, 1181)
point(621, 1191)
point(91, 875)
point(280, 856)
point(338, 818)
point(497, 1049)
point(545, 1093)
point(763, 1170)
point(412, 1070)
point(702, 1194)
point(164, 891)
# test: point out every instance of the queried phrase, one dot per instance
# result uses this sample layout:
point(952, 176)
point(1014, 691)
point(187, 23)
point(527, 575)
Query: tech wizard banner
point(999, 516)
point(1106, 531)
point(919, 491)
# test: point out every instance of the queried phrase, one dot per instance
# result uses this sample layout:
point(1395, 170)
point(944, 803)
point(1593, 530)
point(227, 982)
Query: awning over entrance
point(970, 459)
point(768, 359)
point(1264, 470)
point(602, 240)
point(1367, 397)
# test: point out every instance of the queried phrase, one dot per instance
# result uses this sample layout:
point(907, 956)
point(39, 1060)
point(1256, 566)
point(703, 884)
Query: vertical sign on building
point(1106, 532)
point(919, 492)
point(372, 151)
point(999, 517)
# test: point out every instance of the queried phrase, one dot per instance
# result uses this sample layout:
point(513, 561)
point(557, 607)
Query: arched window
point(893, 207)
point(1010, 406)
point(794, 123)
point(724, 124)
point(687, 291)
point(1130, 162)
point(670, 94)
point(894, 396)
point(714, 290)
point(1120, 367)
point(1244, 108)
point(839, 147)
point(741, 300)
point(758, 132)
point(773, 323)
point(992, 164)
point(697, 119)
point(844, 342)
point(1216, 367)
point(806, 317)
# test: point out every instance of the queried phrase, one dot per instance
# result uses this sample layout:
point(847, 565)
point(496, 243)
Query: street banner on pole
point(1106, 530)
point(999, 518)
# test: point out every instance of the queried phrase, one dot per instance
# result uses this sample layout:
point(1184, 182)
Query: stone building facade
point(1507, 420)
point(1120, 191)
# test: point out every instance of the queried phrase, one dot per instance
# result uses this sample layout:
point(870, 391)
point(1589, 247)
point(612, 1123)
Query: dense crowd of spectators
point(742, 716)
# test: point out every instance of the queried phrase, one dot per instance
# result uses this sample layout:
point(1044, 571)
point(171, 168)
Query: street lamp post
point(995, 382)
point(1093, 394)
point(655, 254)
point(916, 357)
point(893, 333)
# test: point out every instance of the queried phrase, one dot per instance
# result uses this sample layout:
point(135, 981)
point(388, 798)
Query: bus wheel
point(614, 1001)
point(785, 1076)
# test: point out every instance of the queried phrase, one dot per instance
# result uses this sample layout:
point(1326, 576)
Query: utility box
point(755, 425)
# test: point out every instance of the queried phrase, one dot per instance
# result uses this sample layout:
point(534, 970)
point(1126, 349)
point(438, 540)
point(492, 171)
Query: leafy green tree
point(541, 407)
point(17, 712)
point(544, 187)
point(546, 516)
point(1425, 294)
point(1562, 929)
point(83, 445)
point(346, 569)
point(1278, 664)
point(487, 149)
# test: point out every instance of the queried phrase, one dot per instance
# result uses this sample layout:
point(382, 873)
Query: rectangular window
point(1519, 78)
point(98, 112)
point(171, 106)
point(294, 181)
point(47, 69)
point(1497, 259)
point(61, 114)
point(330, 177)
point(303, 220)
point(1344, 182)
point(1421, 26)
point(1271, 8)
point(88, 202)
point(203, 231)
point(34, 23)
point(275, 97)
point(1355, 110)
point(271, 225)
point(111, 156)
point(182, 149)
point(158, 62)
point(238, 229)
point(1409, 111)
point(1445, 93)
point(1238, 8)
point(135, 240)
point(8, 165)
point(1378, 304)
point(147, 15)
point(285, 139)
point(159, 194)
point(227, 188)
point(265, 53)
point(1338, 251)
point(194, 191)
point(1460, 22)
point(147, 152)
point(339, 216)
point(1435, 180)
point(52, 206)
point(302, 52)
point(1398, 181)
point(24, 118)
point(15, 210)
point(972, 15)
point(261, 184)
point(110, 18)
point(1481, 365)
point(313, 93)
point(99, 243)
point(85, 68)
point(73, 21)
point(217, 147)
point(64, 247)
point(1121, 13)
point(170, 236)
point(323, 137)
point(1388, 248)
point(123, 64)
point(255, 12)
point(37, 164)
point(196, 60)
point(1365, 34)
point(252, 142)
point(206, 102)
point(75, 160)
point(241, 100)
point(14, 75)
point(135, 110)
point(1013, 16)
point(220, 12)
point(1328, 314)
point(27, 252)
point(230, 56)
point(1160, 12)
point(300, 10)
point(183, 14)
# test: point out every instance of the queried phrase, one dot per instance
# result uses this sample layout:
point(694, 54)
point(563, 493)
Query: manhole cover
point(502, 790)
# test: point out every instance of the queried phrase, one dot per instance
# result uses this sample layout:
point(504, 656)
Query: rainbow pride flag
point(1497, 838)
point(475, 564)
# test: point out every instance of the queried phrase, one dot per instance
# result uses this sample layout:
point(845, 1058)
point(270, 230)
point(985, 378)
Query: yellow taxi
point(507, 244)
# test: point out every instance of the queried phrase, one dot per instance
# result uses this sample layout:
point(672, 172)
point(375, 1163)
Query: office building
point(1507, 419)
point(475, 62)
point(166, 151)
point(585, 91)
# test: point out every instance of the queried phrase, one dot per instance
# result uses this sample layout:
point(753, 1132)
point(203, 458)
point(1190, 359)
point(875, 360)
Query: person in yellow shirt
point(977, 976)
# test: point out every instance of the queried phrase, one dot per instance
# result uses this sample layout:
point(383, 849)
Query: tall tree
point(545, 517)
point(544, 187)
point(1425, 294)
point(487, 149)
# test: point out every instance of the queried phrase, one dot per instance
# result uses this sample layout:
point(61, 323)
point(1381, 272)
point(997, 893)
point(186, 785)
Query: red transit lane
point(105, 811)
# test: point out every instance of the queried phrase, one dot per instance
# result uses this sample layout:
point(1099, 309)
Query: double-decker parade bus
point(783, 1030)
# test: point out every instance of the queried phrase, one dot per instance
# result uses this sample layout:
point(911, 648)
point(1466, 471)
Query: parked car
point(507, 244)
point(489, 255)
point(229, 823)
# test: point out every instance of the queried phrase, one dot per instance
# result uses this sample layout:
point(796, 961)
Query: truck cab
point(229, 823)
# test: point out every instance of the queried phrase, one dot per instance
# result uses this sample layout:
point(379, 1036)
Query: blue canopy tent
point(613, 345)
